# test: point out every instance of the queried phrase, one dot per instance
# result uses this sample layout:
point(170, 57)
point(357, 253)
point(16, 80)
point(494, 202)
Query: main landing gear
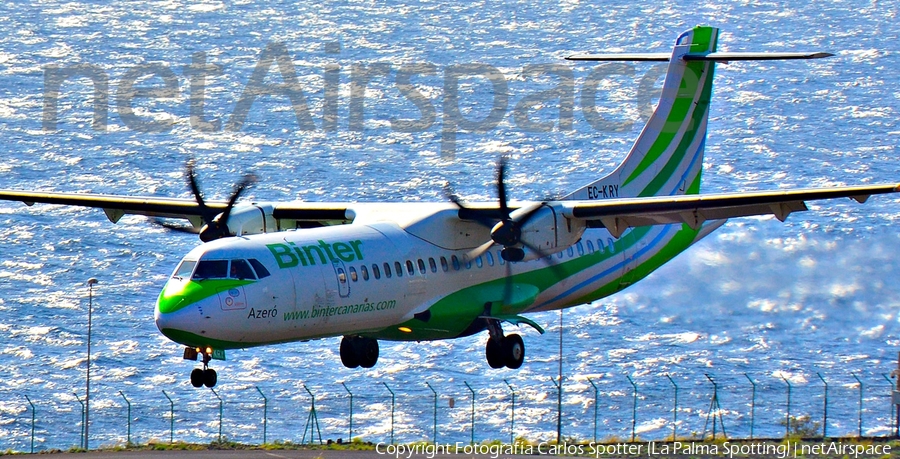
point(503, 351)
point(358, 351)
point(205, 377)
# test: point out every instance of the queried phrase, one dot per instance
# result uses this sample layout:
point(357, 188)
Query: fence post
point(265, 414)
point(351, 411)
point(171, 418)
point(82, 419)
point(596, 397)
point(715, 410)
point(674, 410)
point(312, 420)
point(473, 410)
point(558, 385)
point(859, 432)
point(752, 405)
point(824, 409)
point(434, 431)
point(32, 422)
point(512, 418)
point(891, 384)
point(787, 427)
point(633, 408)
point(128, 443)
point(393, 401)
point(220, 412)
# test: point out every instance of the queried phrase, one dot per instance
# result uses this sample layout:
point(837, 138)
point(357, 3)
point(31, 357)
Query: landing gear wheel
point(209, 378)
point(367, 352)
point(494, 353)
point(348, 352)
point(357, 351)
point(197, 377)
point(513, 351)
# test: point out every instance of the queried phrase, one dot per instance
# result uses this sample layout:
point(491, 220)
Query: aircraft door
point(343, 278)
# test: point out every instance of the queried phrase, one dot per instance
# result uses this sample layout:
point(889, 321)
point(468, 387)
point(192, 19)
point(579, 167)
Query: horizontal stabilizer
point(715, 57)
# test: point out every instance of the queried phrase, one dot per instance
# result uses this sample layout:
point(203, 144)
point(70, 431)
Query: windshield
point(211, 269)
point(184, 269)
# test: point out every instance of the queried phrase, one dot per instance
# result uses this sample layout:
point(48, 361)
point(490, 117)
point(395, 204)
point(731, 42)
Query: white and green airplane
point(277, 272)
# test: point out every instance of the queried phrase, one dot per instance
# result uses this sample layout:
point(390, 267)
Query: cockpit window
point(240, 269)
point(184, 269)
point(261, 270)
point(211, 269)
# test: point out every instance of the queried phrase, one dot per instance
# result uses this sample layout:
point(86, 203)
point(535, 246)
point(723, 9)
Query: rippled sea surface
point(774, 302)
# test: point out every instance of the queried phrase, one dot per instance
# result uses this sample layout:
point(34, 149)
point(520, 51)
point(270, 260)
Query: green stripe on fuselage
point(176, 297)
point(453, 314)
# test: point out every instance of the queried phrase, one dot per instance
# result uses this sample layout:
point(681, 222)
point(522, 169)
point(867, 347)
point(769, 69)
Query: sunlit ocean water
point(779, 302)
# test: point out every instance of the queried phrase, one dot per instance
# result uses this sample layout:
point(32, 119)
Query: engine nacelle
point(548, 230)
point(252, 219)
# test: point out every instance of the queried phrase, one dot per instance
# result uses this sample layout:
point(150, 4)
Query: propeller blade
point(557, 270)
point(222, 221)
point(501, 188)
point(479, 251)
point(174, 227)
point(458, 202)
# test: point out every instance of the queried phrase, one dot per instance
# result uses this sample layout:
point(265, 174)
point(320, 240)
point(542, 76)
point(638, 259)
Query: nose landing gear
point(201, 377)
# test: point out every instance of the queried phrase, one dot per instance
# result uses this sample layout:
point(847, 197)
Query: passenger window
point(422, 266)
point(409, 268)
point(490, 258)
point(571, 252)
point(479, 262)
point(353, 275)
point(444, 265)
point(376, 272)
point(342, 276)
point(590, 246)
point(600, 245)
point(211, 269)
point(455, 262)
point(240, 269)
point(468, 264)
point(500, 257)
point(261, 270)
point(432, 264)
point(580, 248)
point(612, 245)
point(184, 269)
point(387, 270)
point(365, 272)
point(398, 268)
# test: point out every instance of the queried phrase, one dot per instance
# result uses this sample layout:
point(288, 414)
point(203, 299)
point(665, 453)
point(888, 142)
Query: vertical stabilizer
point(667, 157)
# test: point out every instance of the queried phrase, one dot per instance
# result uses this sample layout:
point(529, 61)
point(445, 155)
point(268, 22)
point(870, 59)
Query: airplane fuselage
point(381, 281)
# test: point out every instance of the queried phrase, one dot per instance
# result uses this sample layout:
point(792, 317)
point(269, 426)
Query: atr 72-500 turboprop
point(271, 273)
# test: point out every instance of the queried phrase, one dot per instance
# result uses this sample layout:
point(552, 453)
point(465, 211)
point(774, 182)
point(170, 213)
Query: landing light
point(405, 329)
point(209, 351)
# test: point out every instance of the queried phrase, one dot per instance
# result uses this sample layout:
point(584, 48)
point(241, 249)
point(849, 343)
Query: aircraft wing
point(617, 215)
point(116, 206)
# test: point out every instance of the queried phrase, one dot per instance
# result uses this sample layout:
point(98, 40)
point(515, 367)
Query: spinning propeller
point(508, 231)
point(215, 222)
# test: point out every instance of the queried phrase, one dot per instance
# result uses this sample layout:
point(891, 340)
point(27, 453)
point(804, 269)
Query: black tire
point(348, 352)
point(493, 351)
point(210, 378)
point(197, 378)
point(368, 352)
point(514, 351)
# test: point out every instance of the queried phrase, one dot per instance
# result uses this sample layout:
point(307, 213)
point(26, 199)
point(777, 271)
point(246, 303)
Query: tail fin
point(667, 157)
